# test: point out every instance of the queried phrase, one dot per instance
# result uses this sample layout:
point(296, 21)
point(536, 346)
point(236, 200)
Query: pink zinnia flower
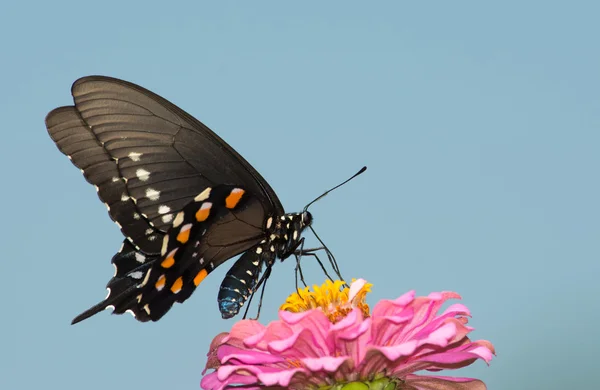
point(327, 339)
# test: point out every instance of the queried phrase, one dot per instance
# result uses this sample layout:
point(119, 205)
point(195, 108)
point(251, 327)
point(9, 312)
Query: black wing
point(146, 157)
point(217, 225)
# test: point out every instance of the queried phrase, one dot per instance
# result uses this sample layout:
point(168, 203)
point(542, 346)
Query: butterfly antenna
point(338, 186)
point(330, 255)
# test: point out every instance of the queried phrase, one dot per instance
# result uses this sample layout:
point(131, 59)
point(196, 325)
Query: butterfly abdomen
point(241, 280)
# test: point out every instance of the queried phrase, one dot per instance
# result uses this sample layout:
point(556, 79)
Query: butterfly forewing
point(147, 157)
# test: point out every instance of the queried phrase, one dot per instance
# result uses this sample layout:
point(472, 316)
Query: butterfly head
point(306, 219)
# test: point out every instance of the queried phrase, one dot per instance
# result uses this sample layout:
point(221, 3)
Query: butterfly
point(184, 199)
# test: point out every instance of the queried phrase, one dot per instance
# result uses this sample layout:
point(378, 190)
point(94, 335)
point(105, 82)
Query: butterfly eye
point(306, 218)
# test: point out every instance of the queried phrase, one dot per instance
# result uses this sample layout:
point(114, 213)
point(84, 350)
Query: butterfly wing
point(146, 157)
point(220, 223)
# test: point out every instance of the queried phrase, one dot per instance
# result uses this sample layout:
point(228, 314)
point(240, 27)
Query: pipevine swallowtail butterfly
point(183, 198)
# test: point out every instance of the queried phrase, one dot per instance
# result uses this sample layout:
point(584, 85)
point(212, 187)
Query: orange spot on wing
point(169, 260)
point(234, 198)
point(160, 283)
point(176, 287)
point(203, 212)
point(200, 277)
point(184, 234)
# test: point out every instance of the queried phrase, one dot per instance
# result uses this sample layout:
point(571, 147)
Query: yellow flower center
point(332, 298)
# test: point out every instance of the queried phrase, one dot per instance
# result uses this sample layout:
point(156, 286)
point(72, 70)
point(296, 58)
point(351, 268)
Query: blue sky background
point(478, 122)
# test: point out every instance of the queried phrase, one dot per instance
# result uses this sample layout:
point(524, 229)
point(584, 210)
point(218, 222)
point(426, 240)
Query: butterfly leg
point(262, 291)
point(313, 254)
point(298, 269)
point(262, 281)
point(330, 256)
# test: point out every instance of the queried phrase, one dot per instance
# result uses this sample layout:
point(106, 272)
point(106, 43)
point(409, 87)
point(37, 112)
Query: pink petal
point(281, 378)
point(244, 328)
point(274, 331)
point(352, 340)
point(327, 363)
point(457, 309)
point(444, 383)
point(225, 371)
point(300, 345)
point(211, 381)
point(213, 360)
point(387, 307)
point(311, 337)
point(227, 353)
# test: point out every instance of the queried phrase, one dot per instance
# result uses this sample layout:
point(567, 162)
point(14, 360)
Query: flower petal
point(327, 363)
point(246, 356)
point(355, 288)
point(419, 382)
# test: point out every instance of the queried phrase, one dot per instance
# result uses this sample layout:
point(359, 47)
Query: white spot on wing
point(269, 222)
point(152, 194)
point(136, 274)
point(149, 232)
point(203, 195)
point(167, 218)
point(178, 219)
point(134, 156)
point(258, 250)
point(162, 209)
point(124, 197)
point(165, 244)
point(130, 312)
point(146, 278)
point(142, 174)
point(139, 257)
point(115, 179)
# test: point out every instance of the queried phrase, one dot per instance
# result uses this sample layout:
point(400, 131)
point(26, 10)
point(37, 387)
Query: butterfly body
point(184, 199)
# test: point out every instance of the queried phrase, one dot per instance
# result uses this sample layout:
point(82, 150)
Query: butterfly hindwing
point(130, 267)
point(198, 241)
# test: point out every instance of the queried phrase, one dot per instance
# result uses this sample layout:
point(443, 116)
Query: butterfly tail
point(131, 267)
